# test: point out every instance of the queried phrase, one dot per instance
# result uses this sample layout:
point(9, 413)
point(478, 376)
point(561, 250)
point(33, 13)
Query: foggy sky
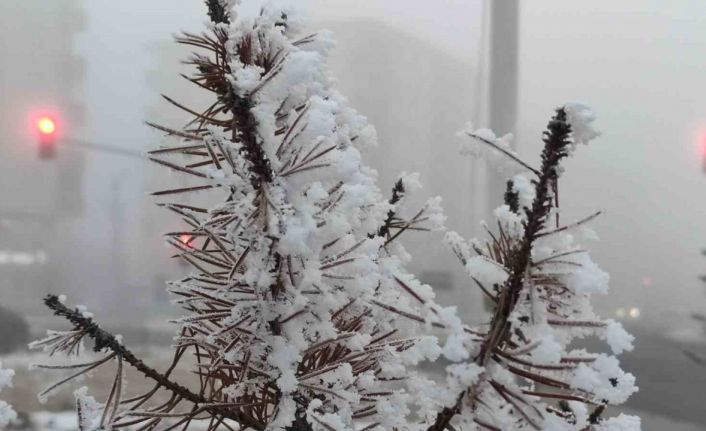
point(639, 63)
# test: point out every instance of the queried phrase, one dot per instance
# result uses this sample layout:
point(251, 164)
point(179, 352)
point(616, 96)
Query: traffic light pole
point(103, 148)
point(48, 137)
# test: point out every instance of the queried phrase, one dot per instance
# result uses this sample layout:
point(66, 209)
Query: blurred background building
point(405, 94)
point(40, 199)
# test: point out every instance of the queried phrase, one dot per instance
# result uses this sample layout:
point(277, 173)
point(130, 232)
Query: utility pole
point(503, 71)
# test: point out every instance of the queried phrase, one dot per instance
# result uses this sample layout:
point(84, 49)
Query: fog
point(418, 69)
point(637, 63)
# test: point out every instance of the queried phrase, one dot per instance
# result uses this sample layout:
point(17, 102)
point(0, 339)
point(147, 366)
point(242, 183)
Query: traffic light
point(187, 240)
point(46, 129)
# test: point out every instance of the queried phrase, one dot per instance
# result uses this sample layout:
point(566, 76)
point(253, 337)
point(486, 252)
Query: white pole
point(503, 71)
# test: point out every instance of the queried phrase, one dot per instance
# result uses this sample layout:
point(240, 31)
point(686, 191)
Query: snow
point(588, 278)
point(91, 410)
point(284, 357)
point(548, 350)
point(487, 272)
point(247, 77)
point(412, 182)
point(83, 310)
point(467, 374)
point(434, 213)
point(525, 190)
point(510, 221)
point(7, 413)
point(286, 414)
point(425, 349)
point(454, 349)
point(605, 378)
point(483, 143)
point(456, 243)
point(581, 117)
point(6, 376)
point(618, 338)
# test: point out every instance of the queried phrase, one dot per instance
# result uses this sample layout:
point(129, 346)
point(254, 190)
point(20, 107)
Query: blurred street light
point(632, 312)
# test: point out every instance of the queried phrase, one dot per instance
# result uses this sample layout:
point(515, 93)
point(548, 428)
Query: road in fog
point(670, 383)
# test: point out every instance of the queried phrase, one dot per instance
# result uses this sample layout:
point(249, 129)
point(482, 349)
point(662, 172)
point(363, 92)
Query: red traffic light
point(187, 240)
point(46, 126)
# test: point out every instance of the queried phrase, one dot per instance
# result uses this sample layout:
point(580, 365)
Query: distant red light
point(46, 130)
point(703, 150)
point(186, 240)
point(46, 126)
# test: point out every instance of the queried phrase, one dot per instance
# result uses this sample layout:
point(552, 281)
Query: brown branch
point(104, 340)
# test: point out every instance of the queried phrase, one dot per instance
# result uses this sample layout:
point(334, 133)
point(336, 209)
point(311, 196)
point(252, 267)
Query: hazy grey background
point(639, 63)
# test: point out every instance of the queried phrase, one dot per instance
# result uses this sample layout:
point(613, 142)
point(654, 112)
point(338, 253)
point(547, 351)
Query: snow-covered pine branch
point(292, 296)
point(299, 313)
point(524, 373)
point(299, 310)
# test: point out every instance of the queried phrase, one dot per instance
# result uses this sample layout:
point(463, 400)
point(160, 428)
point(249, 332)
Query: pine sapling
point(299, 312)
point(296, 310)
